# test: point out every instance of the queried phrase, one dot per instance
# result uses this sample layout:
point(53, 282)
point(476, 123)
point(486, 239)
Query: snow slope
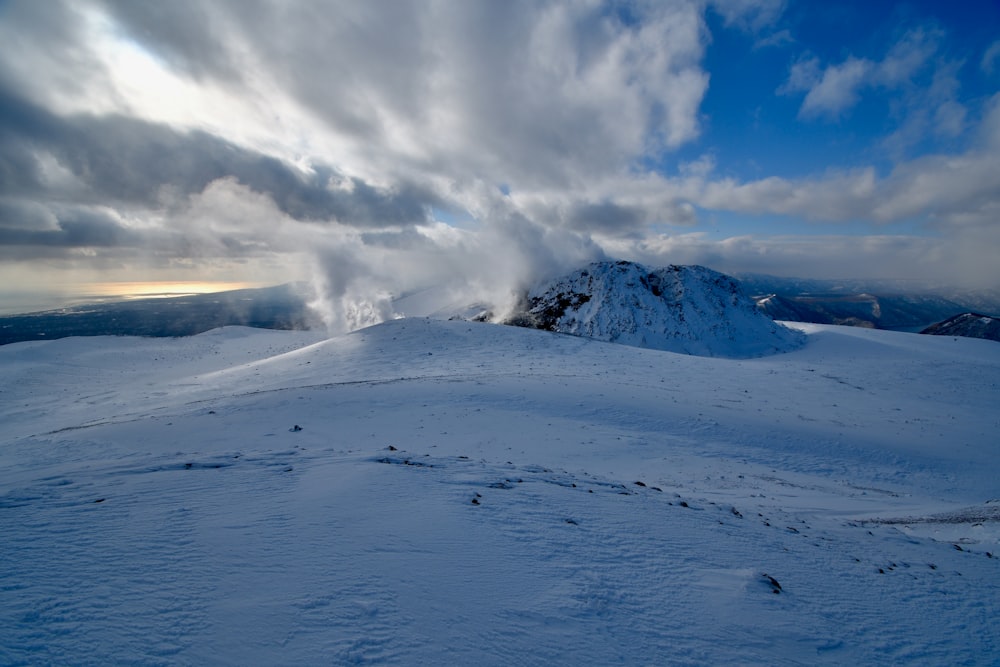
point(689, 309)
point(463, 493)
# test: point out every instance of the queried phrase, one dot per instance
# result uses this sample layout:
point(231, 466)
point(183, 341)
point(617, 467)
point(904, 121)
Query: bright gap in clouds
point(456, 219)
point(15, 299)
point(143, 290)
point(150, 88)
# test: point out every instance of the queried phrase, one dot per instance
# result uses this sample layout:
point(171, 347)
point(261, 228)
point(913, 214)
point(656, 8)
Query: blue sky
point(757, 126)
point(374, 148)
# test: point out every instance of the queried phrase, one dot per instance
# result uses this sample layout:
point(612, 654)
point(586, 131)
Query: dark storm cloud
point(57, 27)
point(20, 171)
point(29, 230)
point(79, 228)
point(105, 160)
point(608, 216)
point(25, 214)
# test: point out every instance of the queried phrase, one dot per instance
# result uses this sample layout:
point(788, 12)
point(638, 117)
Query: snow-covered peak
point(687, 309)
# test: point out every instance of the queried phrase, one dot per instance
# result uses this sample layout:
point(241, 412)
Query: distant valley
point(279, 307)
point(892, 305)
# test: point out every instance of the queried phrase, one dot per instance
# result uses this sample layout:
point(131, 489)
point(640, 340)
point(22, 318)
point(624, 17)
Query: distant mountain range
point(895, 305)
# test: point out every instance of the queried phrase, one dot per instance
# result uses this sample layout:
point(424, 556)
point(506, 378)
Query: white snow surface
point(463, 493)
point(688, 309)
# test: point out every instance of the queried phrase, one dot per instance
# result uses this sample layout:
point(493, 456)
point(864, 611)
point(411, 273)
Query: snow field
point(468, 493)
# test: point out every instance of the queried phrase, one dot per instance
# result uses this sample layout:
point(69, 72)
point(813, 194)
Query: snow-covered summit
point(687, 309)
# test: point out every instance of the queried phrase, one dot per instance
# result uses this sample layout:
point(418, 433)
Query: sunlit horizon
point(13, 302)
point(161, 289)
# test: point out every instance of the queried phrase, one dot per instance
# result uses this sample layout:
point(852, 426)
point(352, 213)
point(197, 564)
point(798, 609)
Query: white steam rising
point(358, 279)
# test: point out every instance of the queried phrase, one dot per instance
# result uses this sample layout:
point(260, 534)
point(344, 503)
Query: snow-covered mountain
point(687, 309)
point(970, 325)
point(448, 492)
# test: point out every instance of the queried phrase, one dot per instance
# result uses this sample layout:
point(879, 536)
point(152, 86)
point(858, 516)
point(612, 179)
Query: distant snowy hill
point(970, 325)
point(687, 309)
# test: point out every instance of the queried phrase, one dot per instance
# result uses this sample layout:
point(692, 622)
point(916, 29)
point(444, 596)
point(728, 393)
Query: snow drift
point(687, 309)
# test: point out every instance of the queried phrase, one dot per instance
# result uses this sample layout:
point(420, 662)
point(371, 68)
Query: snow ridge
point(687, 309)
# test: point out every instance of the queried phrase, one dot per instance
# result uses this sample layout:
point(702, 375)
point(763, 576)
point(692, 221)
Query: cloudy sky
point(375, 147)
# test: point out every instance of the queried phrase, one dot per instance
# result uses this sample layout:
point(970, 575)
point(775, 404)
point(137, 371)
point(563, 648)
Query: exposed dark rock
point(773, 583)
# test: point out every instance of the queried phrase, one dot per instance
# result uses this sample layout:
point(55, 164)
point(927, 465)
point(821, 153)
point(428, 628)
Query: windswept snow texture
point(453, 493)
point(687, 309)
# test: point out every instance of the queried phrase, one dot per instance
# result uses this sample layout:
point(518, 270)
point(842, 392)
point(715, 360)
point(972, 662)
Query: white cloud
point(833, 90)
point(951, 261)
point(778, 38)
point(935, 187)
point(906, 57)
point(803, 75)
point(752, 15)
point(990, 56)
point(837, 89)
point(546, 93)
